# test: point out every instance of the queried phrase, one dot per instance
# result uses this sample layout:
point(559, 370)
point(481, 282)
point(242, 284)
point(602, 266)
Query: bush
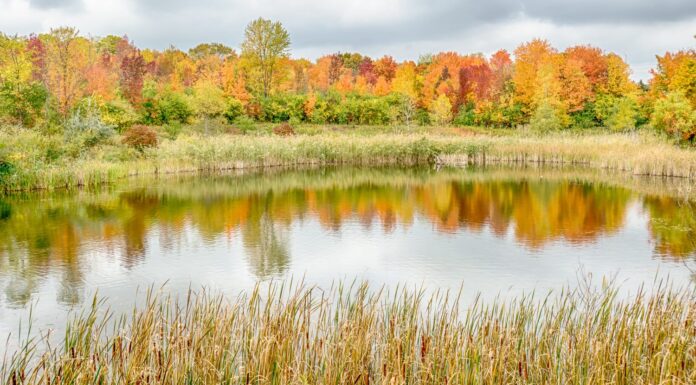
point(245, 124)
point(85, 128)
point(23, 104)
point(172, 129)
point(674, 115)
point(165, 108)
point(6, 169)
point(623, 115)
point(118, 113)
point(140, 137)
point(282, 107)
point(235, 109)
point(441, 110)
point(174, 107)
point(466, 116)
point(285, 129)
point(585, 118)
point(422, 117)
point(545, 118)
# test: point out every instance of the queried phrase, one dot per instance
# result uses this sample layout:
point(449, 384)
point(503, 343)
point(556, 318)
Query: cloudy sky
point(635, 29)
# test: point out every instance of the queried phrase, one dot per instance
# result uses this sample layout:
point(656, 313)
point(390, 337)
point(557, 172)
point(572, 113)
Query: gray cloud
point(56, 4)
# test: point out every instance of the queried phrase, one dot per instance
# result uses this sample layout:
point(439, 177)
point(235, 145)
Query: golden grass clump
point(293, 334)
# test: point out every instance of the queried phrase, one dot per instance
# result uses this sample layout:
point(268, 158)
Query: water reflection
point(61, 236)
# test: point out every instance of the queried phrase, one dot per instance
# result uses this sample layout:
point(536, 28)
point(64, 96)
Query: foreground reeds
point(353, 335)
point(40, 163)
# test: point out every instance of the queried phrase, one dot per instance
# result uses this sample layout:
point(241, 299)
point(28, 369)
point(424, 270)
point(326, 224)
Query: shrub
point(235, 108)
point(282, 107)
point(172, 129)
point(466, 116)
point(118, 113)
point(294, 121)
point(545, 118)
point(284, 129)
point(6, 169)
point(140, 137)
point(603, 106)
point(674, 115)
point(174, 107)
point(165, 108)
point(585, 118)
point(623, 115)
point(422, 117)
point(441, 110)
point(22, 103)
point(245, 124)
point(85, 128)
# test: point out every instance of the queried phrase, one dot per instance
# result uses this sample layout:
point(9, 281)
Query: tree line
point(54, 79)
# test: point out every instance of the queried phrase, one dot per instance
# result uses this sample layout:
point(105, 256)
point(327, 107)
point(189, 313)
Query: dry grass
point(286, 334)
point(638, 154)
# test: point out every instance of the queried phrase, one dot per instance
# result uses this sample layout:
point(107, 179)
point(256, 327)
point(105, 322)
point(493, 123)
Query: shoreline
point(624, 153)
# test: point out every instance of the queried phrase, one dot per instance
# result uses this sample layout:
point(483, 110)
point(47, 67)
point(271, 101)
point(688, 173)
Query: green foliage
point(422, 117)
point(166, 107)
point(265, 44)
point(674, 115)
point(585, 118)
point(367, 110)
point(6, 168)
point(328, 109)
point(623, 114)
point(234, 109)
point(22, 103)
point(119, 113)
point(466, 116)
point(545, 118)
point(172, 129)
point(245, 124)
point(294, 121)
point(210, 49)
point(603, 107)
point(282, 107)
point(208, 100)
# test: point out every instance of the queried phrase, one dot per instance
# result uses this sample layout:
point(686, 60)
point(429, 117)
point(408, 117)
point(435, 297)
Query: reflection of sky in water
point(418, 253)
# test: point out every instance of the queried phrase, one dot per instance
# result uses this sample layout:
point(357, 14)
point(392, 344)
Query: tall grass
point(285, 334)
point(41, 163)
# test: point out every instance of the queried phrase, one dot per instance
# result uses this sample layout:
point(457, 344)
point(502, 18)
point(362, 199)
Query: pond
point(493, 232)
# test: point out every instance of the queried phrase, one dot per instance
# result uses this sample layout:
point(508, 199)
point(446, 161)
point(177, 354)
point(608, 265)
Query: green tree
point(623, 114)
point(210, 49)
point(21, 98)
point(545, 117)
point(208, 101)
point(674, 115)
point(265, 44)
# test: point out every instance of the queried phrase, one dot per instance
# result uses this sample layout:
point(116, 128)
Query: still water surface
point(496, 232)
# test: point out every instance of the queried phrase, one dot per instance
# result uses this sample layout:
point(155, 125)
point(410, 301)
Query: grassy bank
point(353, 335)
point(36, 161)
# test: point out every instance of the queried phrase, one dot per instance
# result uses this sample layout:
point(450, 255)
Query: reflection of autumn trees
point(672, 226)
point(40, 235)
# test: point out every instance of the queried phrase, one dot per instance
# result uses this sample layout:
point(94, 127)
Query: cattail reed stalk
point(289, 333)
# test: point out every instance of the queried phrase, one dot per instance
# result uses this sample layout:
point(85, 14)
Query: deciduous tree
point(265, 44)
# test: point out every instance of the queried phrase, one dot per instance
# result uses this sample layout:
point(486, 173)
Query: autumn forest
point(53, 80)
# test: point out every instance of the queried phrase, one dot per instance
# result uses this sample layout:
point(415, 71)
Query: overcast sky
point(635, 29)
